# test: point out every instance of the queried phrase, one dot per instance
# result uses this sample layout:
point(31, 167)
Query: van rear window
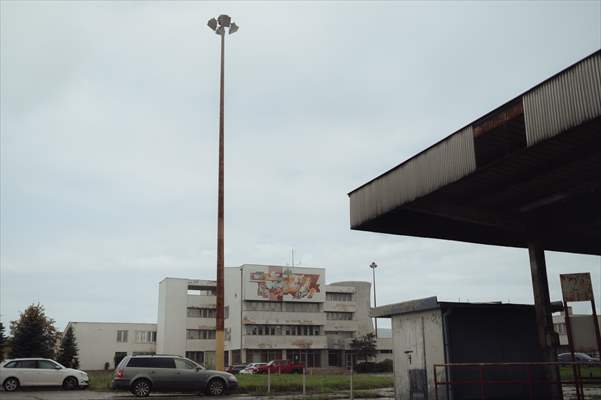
point(151, 362)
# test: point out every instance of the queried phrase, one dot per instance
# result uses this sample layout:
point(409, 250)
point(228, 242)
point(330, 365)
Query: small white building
point(104, 342)
point(583, 332)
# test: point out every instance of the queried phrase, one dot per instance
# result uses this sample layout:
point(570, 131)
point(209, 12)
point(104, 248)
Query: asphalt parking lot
point(92, 395)
point(24, 394)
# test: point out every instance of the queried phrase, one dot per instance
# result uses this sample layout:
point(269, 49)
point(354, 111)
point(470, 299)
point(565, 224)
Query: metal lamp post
point(219, 26)
point(373, 267)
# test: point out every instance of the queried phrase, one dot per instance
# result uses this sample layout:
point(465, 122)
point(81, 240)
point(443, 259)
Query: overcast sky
point(109, 123)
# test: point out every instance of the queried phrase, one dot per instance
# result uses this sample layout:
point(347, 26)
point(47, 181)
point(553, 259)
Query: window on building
point(339, 316)
point(277, 306)
point(263, 355)
point(145, 337)
point(262, 306)
point(236, 359)
point(311, 358)
point(197, 356)
point(228, 334)
point(122, 336)
point(200, 334)
point(197, 312)
point(201, 290)
point(333, 296)
point(301, 307)
point(226, 312)
point(341, 334)
point(385, 351)
point(335, 358)
point(279, 330)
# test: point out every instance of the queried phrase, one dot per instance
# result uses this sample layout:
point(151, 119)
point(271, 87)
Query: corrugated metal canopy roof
point(529, 170)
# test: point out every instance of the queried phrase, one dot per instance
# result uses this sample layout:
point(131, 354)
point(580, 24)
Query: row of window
point(339, 316)
point(200, 333)
point(202, 290)
point(283, 330)
point(341, 334)
point(140, 336)
point(331, 296)
point(282, 306)
point(194, 312)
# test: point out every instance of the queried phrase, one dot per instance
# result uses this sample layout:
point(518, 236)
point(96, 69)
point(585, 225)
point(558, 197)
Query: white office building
point(271, 312)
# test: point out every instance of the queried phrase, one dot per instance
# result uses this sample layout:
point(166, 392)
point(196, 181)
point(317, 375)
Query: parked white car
point(40, 372)
point(251, 368)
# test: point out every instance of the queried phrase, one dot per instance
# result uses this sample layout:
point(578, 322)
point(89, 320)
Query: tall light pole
point(219, 26)
point(373, 267)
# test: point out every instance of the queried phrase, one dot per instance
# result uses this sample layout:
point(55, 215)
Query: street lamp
point(219, 26)
point(373, 267)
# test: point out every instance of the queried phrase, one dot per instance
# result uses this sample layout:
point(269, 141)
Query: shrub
point(383, 366)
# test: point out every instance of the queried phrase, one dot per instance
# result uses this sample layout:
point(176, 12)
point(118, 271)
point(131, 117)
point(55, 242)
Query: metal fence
point(530, 375)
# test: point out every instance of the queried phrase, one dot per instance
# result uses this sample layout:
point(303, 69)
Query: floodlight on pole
point(212, 24)
point(218, 26)
point(373, 267)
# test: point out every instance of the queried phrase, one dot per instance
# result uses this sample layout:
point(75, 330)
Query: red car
point(281, 367)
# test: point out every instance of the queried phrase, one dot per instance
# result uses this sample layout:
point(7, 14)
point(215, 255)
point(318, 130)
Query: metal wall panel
point(438, 166)
point(564, 101)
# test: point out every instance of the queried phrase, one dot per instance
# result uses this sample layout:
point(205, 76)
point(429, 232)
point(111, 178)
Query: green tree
point(68, 352)
point(33, 334)
point(2, 341)
point(364, 347)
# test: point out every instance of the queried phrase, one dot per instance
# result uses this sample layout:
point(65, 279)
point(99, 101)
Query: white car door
point(26, 372)
point(49, 373)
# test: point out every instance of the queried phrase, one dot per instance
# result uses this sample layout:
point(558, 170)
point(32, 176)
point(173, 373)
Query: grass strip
point(285, 383)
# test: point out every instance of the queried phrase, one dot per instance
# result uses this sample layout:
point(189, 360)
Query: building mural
point(285, 284)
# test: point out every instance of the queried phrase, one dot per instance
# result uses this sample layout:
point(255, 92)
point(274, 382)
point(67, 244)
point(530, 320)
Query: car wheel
point(11, 384)
point(141, 388)
point(70, 383)
point(216, 387)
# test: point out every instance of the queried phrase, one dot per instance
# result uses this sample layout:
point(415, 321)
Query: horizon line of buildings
point(271, 312)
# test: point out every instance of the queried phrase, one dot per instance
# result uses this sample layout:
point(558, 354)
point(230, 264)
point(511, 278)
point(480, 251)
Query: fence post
point(530, 388)
point(435, 384)
point(268, 380)
point(304, 382)
point(351, 396)
point(482, 382)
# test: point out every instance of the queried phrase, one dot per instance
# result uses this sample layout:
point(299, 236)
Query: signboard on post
point(576, 287)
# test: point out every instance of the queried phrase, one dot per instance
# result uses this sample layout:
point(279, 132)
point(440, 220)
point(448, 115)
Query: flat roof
point(432, 303)
point(530, 170)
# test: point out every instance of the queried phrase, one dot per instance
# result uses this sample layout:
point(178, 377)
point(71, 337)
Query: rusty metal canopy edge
point(528, 171)
point(595, 53)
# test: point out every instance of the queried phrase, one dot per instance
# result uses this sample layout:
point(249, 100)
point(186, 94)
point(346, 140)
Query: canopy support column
point(548, 339)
